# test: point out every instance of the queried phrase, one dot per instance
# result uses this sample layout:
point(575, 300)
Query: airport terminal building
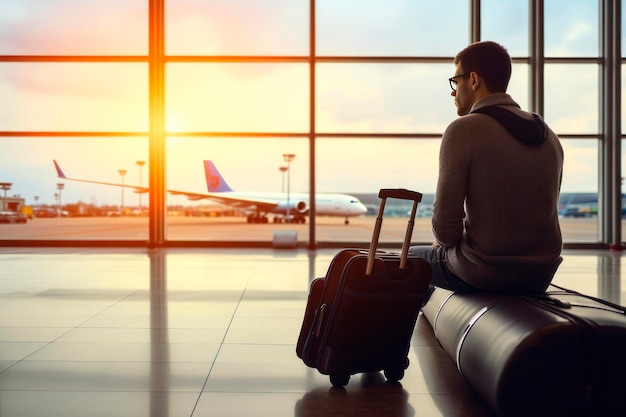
point(15, 203)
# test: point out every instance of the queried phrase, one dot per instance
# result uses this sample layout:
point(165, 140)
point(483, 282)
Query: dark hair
point(490, 60)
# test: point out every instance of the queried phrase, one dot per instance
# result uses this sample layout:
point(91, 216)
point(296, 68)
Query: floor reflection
point(609, 277)
point(372, 397)
point(159, 340)
point(206, 333)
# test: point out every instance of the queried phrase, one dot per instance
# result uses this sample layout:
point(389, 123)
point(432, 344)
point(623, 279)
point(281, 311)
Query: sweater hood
point(531, 132)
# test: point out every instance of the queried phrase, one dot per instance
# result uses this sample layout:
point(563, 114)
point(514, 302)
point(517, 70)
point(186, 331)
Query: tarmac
point(236, 229)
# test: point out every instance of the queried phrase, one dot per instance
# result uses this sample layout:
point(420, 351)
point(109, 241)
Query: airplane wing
point(137, 188)
point(235, 201)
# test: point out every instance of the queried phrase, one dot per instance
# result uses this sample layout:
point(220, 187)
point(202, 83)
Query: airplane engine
point(296, 207)
point(301, 207)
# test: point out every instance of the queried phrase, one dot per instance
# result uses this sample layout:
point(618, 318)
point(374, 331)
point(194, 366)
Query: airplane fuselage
point(299, 203)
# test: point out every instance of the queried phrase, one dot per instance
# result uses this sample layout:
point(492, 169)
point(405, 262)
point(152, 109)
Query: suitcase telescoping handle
point(402, 194)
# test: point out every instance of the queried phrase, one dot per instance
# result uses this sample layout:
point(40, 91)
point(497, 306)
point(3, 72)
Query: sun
point(175, 123)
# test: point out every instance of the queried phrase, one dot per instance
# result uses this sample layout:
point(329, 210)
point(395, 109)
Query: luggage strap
point(592, 378)
point(613, 306)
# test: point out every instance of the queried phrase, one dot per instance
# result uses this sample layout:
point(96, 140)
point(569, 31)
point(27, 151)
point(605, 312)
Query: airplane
point(257, 204)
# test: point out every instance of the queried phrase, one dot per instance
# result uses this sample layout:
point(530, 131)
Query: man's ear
point(475, 80)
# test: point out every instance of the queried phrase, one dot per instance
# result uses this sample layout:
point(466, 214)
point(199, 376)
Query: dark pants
point(442, 277)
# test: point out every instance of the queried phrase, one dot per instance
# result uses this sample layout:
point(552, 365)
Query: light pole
point(122, 173)
point(5, 186)
point(140, 164)
point(283, 169)
point(60, 187)
point(288, 157)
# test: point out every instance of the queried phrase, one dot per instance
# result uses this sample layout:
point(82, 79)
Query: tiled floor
point(177, 333)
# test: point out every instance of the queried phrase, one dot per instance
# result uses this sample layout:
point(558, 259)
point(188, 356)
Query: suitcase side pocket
point(310, 318)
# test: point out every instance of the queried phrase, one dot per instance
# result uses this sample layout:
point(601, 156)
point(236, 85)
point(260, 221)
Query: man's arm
point(454, 163)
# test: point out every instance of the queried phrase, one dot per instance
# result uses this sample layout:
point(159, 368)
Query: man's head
point(483, 68)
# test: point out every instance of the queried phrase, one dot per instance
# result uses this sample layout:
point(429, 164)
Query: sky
point(269, 97)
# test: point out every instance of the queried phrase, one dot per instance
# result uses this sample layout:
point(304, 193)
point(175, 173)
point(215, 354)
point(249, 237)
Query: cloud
point(580, 170)
point(269, 27)
point(403, 27)
point(41, 27)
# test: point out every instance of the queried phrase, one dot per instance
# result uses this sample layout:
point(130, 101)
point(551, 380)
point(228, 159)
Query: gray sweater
point(496, 204)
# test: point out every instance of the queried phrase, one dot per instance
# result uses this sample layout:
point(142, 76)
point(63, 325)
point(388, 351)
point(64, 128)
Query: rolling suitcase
point(360, 317)
point(558, 354)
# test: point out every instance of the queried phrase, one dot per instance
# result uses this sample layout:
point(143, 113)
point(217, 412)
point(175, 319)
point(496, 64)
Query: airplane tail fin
point(214, 180)
point(60, 173)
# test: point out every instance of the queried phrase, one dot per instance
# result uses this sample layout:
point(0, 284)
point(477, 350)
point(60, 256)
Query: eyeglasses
point(454, 82)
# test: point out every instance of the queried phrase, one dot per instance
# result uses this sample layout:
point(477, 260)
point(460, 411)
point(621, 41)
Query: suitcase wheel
point(394, 374)
point(339, 380)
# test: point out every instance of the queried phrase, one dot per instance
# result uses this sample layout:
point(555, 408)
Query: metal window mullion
point(312, 136)
point(157, 123)
point(616, 120)
point(474, 23)
point(537, 58)
point(609, 199)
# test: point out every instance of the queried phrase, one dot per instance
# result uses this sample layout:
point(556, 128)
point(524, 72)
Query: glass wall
point(128, 96)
